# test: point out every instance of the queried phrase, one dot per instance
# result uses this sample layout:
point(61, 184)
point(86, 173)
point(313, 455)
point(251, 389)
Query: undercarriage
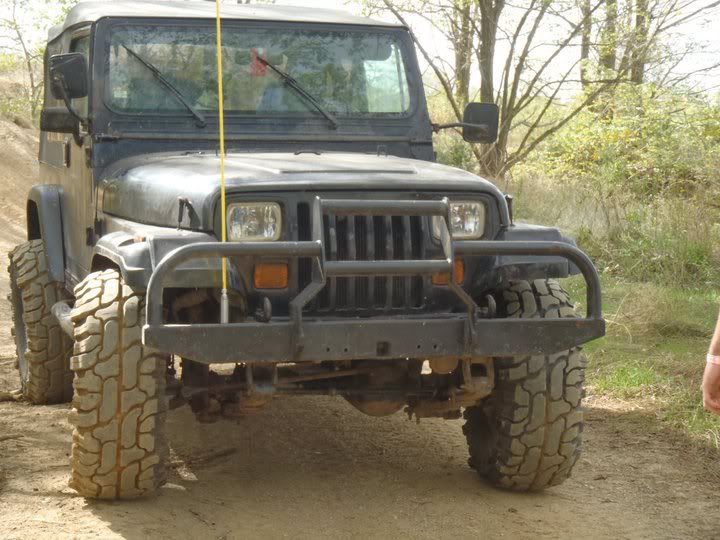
point(437, 388)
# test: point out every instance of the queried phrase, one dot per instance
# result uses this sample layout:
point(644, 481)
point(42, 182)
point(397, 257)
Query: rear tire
point(527, 435)
point(43, 349)
point(119, 449)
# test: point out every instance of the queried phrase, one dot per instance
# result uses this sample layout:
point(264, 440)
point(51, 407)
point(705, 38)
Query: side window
point(387, 85)
point(81, 45)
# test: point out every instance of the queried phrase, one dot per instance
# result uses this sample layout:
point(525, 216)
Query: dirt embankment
point(18, 166)
point(314, 468)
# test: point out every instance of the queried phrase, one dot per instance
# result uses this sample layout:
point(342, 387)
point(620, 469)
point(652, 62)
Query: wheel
point(43, 349)
point(119, 449)
point(527, 435)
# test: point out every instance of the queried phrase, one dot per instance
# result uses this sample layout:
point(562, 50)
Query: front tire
point(119, 449)
point(527, 435)
point(43, 349)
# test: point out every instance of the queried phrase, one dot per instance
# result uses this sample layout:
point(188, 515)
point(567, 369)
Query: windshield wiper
point(201, 122)
point(299, 90)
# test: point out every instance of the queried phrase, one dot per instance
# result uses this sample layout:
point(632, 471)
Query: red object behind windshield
point(257, 68)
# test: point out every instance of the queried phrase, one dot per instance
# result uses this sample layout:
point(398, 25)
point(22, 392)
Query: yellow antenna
point(224, 305)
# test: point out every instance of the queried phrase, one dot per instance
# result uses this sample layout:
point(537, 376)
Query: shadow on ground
point(315, 467)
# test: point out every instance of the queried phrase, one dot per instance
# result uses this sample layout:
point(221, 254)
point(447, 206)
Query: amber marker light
point(271, 276)
point(443, 279)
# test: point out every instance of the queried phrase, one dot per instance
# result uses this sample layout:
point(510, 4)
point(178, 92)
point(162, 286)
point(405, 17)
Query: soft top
point(91, 11)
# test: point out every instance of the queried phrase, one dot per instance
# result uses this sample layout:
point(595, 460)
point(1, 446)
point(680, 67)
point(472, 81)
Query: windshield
point(349, 73)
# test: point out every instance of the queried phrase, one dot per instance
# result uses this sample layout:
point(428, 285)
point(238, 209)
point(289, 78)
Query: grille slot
point(367, 238)
point(304, 266)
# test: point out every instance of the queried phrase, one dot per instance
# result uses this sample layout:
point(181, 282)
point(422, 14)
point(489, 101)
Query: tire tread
point(528, 434)
point(49, 378)
point(117, 453)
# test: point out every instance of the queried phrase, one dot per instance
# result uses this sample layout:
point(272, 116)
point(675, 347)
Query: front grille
point(366, 238)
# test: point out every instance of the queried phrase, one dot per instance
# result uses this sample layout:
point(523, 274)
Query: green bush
point(450, 148)
point(638, 183)
point(647, 142)
point(11, 107)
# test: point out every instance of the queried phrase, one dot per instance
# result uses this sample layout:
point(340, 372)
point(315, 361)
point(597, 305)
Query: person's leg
point(711, 378)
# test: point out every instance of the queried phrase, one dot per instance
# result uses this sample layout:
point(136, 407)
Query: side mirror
point(68, 76)
point(68, 81)
point(481, 123)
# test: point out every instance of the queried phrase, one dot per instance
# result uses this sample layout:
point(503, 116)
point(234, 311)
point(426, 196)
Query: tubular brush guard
point(426, 336)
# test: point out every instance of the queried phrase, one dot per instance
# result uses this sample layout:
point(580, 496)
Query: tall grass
point(638, 186)
point(669, 240)
point(653, 354)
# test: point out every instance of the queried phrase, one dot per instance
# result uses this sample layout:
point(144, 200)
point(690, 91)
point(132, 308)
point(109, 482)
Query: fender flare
point(44, 222)
point(131, 258)
point(136, 257)
point(532, 267)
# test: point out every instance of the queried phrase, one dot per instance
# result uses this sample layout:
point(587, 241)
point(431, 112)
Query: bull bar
point(412, 336)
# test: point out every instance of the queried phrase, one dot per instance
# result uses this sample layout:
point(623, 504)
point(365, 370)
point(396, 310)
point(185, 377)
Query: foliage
point(649, 141)
point(450, 147)
point(638, 184)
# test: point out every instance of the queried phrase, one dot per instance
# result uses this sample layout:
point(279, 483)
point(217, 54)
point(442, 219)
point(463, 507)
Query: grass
point(654, 351)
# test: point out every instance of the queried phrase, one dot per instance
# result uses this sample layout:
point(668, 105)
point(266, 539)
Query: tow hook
point(489, 310)
point(264, 313)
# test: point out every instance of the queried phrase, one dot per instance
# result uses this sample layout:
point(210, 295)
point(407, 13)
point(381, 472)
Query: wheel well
point(100, 263)
point(33, 221)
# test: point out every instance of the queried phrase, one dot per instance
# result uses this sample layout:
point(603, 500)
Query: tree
point(639, 53)
point(608, 43)
point(525, 79)
point(13, 30)
point(490, 11)
point(638, 36)
point(21, 20)
point(533, 74)
point(586, 33)
point(459, 21)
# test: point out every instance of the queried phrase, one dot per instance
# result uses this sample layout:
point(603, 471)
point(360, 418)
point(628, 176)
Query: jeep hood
point(146, 189)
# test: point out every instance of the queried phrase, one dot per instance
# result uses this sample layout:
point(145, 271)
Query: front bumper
point(294, 338)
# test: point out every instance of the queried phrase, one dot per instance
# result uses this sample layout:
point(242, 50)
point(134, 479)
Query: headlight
point(254, 222)
point(467, 221)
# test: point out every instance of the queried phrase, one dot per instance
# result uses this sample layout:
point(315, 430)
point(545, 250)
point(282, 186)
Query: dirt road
point(316, 468)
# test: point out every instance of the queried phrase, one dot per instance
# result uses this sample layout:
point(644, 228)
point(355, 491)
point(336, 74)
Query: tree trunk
point(492, 157)
point(585, 42)
point(463, 39)
point(639, 47)
point(489, 16)
point(492, 162)
point(608, 42)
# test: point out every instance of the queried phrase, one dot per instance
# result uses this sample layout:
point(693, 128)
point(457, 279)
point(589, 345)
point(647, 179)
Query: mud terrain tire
point(43, 349)
point(528, 434)
point(119, 449)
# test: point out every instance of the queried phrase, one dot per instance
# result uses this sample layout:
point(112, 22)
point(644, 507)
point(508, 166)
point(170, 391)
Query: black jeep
point(356, 265)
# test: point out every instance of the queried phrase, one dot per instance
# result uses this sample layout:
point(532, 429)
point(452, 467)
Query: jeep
point(355, 265)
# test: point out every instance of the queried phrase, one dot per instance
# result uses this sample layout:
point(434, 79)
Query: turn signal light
point(443, 279)
point(271, 276)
